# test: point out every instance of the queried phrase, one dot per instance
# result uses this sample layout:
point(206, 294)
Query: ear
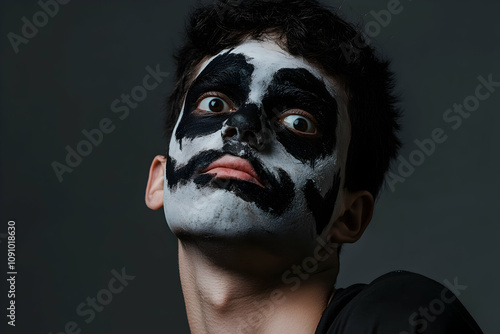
point(154, 189)
point(352, 222)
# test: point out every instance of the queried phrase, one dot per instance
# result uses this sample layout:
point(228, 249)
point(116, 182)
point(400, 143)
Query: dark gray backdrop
point(441, 222)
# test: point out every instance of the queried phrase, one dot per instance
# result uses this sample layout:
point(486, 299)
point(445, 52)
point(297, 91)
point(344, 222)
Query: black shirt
point(399, 302)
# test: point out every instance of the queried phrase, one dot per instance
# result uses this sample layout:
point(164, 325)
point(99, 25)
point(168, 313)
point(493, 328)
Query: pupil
point(216, 105)
point(300, 124)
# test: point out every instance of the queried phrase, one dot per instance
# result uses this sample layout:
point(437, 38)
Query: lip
point(231, 167)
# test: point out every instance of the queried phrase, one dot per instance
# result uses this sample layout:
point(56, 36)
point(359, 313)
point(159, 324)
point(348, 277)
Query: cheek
point(185, 149)
point(324, 173)
point(192, 126)
point(321, 171)
point(317, 187)
point(322, 207)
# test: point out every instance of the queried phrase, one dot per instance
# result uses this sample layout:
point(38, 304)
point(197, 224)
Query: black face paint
point(227, 73)
point(293, 203)
point(249, 124)
point(275, 198)
point(299, 89)
point(247, 118)
point(322, 208)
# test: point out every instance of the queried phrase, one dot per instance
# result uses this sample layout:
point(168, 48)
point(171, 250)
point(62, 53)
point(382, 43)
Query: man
point(281, 127)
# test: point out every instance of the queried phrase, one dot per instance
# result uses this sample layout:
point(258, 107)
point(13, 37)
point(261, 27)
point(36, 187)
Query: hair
point(310, 30)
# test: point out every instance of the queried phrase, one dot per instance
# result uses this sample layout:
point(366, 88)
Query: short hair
point(310, 30)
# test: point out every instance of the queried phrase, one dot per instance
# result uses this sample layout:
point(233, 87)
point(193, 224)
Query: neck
point(221, 299)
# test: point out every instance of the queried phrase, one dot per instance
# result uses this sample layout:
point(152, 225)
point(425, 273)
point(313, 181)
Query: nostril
point(229, 132)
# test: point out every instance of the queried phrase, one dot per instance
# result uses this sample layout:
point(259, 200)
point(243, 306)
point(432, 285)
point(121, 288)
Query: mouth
point(231, 167)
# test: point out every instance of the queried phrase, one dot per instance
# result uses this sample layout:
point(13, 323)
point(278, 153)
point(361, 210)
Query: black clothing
point(399, 302)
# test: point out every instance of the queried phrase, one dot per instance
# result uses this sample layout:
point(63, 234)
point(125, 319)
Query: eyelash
point(279, 118)
point(221, 96)
point(305, 114)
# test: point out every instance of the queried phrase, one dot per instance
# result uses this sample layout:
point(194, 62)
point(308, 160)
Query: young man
point(281, 127)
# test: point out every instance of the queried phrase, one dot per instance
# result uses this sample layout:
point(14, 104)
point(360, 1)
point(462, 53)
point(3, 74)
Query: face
point(259, 150)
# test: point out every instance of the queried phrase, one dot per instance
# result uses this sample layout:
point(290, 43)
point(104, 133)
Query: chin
point(222, 218)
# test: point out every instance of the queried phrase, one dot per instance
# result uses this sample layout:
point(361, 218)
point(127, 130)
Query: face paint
point(259, 149)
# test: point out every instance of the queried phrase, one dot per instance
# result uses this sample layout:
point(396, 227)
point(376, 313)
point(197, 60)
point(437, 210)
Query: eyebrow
point(299, 88)
point(303, 80)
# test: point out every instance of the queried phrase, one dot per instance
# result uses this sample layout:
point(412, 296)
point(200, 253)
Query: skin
point(252, 182)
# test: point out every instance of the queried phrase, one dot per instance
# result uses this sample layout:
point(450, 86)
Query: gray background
point(441, 222)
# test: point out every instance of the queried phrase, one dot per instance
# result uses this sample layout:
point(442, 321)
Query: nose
point(249, 125)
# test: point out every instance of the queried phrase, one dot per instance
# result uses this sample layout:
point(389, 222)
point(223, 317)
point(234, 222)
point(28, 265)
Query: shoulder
point(398, 302)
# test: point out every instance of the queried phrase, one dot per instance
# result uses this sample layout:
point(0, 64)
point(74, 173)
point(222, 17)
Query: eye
point(214, 104)
point(299, 124)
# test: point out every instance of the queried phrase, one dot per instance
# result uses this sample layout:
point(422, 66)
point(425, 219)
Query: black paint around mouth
point(275, 198)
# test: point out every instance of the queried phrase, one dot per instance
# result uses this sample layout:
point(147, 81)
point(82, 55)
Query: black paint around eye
point(299, 89)
point(227, 73)
point(290, 88)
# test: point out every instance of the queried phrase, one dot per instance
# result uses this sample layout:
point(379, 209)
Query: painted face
point(259, 149)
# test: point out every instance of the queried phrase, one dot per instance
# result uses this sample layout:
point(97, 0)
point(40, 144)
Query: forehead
point(267, 58)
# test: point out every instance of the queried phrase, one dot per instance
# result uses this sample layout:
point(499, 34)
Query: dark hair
point(310, 30)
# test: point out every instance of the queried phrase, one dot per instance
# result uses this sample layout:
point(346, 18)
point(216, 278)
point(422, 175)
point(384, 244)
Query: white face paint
point(299, 173)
